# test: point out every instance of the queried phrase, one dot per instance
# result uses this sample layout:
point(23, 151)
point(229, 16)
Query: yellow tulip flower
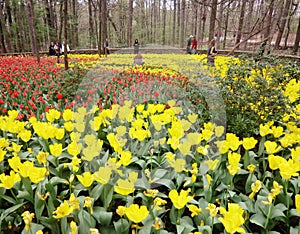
point(8, 181)
point(136, 214)
point(180, 200)
point(233, 218)
point(86, 179)
point(102, 175)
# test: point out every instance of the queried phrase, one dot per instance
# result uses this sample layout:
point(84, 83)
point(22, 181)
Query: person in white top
point(62, 49)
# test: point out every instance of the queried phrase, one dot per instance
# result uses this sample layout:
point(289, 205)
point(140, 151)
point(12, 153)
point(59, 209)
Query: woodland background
point(30, 25)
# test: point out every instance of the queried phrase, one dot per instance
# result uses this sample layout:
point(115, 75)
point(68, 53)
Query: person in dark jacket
point(211, 52)
point(136, 46)
point(52, 51)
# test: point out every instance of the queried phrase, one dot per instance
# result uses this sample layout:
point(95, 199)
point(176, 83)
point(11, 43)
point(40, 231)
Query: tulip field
point(173, 146)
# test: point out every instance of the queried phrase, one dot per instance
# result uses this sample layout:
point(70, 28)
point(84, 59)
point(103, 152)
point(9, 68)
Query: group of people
point(191, 48)
point(56, 49)
point(192, 44)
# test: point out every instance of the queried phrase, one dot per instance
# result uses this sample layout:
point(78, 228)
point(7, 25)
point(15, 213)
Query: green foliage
point(252, 93)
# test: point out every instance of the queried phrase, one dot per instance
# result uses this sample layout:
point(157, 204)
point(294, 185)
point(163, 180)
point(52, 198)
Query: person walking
point(189, 45)
point(136, 46)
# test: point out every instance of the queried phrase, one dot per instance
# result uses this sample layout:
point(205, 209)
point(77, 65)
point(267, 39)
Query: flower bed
point(138, 149)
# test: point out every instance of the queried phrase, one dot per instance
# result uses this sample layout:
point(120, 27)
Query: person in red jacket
point(194, 45)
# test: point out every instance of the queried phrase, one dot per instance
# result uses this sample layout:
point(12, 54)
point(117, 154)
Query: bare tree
point(30, 14)
point(130, 17)
point(174, 22)
point(182, 23)
point(2, 28)
point(91, 25)
point(281, 27)
point(164, 16)
point(297, 40)
point(241, 22)
point(213, 16)
point(66, 34)
point(74, 24)
point(288, 27)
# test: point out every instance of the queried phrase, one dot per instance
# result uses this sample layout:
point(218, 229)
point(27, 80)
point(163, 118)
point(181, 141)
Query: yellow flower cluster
point(67, 207)
point(134, 212)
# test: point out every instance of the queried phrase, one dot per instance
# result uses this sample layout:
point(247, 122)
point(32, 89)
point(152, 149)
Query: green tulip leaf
point(102, 216)
point(96, 191)
point(258, 219)
point(50, 223)
point(34, 227)
point(180, 229)
point(86, 221)
point(122, 226)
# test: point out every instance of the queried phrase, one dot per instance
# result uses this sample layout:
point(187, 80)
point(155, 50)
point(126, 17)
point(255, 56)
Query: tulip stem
point(268, 216)
point(286, 184)
point(178, 216)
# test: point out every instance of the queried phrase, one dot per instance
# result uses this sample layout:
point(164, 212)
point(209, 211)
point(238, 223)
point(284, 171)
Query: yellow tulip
point(212, 164)
point(233, 218)
point(136, 214)
point(271, 147)
point(195, 210)
point(180, 200)
point(86, 179)
point(8, 181)
point(63, 210)
point(249, 143)
point(125, 158)
point(233, 159)
point(213, 210)
point(55, 149)
point(102, 175)
point(37, 174)
point(275, 161)
point(27, 217)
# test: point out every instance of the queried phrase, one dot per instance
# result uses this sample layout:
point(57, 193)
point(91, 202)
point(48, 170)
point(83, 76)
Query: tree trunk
point(289, 25)
point(103, 24)
point(248, 21)
point(164, 15)
point(74, 28)
point(203, 19)
point(61, 15)
point(66, 34)
point(182, 24)
point(226, 25)
point(174, 23)
point(178, 22)
point(241, 22)
point(220, 22)
point(269, 19)
point(194, 14)
point(213, 16)
point(91, 25)
point(99, 41)
point(130, 19)
point(31, 18)
point(25, 37)
point(283, 23)
point(2, 38)
point(297, 40)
